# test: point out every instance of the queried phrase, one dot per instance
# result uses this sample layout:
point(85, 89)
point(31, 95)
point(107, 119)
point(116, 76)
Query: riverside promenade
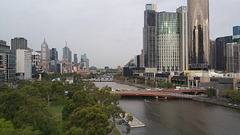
point(206, 99)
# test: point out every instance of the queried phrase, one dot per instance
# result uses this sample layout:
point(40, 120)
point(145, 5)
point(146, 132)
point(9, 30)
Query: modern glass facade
point(149, 37)
point(7, 63)
point(221, 44)
point(168, 37)
point(199, 40)
point(67, 54)
point(236, 34)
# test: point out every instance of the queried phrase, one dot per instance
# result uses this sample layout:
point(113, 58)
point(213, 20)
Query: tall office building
point(75, 59)
point(213, 54)
point(45, 52)
point(233, 57)
point(183, 42)
point(84, 64)
point(168, 58)
point(23, 64)
point(236, 34)
point(221, 44)
point(149, 37)
point(67, 54)
point(198, 21)
point(18, 43)
point(54, 54)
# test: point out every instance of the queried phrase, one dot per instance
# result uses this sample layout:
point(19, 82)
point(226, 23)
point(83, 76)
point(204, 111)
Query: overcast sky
point(108, 31)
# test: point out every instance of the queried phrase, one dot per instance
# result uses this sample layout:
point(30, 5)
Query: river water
point(179, 117)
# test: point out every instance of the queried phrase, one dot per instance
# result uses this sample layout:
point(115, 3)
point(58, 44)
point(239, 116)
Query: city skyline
point(103, 31)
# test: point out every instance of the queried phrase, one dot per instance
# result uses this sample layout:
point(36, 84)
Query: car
point(148, 89)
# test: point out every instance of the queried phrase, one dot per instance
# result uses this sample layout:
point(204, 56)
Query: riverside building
point(198, 21)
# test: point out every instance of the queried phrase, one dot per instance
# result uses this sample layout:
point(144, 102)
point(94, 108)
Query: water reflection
point(178, 117)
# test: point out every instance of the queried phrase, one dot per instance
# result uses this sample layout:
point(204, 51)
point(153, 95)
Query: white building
point(36, 60)
point(23, 64)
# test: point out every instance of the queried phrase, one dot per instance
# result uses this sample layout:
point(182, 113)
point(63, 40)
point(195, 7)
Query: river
point(179, 117)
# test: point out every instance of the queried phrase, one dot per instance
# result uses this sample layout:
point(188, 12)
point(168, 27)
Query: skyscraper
point(67, 54)
point(168, 58)
point(213, 54)
point(45, 56)
point(198, 21)
point(149, 37)
point(54, 54)
point(233, 57)
point(183, 42)
point(75, 59)
point(45, 52)
point(236, 34)
point(18, 43)
point(221, 45)
point(84, 64)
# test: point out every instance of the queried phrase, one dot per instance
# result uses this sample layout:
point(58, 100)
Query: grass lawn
point(56, 111)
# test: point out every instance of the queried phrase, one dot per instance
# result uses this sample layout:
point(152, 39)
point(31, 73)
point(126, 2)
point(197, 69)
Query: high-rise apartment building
point(233, 57)
point(199, 40)
point(168, 58)
point(23, 64)
point(221, 44)
point(18, 43)
point(183, 42)
point(149, 37)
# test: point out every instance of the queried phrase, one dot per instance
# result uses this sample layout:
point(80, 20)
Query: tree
point(22, 83)
point(80, 99)
point(93, 120)
point(24, 108)
point(75, 131)
point(210, 92)
point(7, 128)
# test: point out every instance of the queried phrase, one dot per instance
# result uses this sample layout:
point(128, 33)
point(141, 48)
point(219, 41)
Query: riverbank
point(141, 86)
point(206, 99)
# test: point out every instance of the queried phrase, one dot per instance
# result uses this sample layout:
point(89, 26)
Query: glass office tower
point(199, 40)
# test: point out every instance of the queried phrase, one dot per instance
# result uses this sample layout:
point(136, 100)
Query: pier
point(134, 123)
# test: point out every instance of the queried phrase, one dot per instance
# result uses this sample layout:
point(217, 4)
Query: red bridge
point(158, 94)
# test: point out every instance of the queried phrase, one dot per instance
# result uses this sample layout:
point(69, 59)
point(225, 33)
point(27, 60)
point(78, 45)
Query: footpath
point(131, 84)
point(206, 99)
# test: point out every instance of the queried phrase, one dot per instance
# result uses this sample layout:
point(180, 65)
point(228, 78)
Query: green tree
point(80, 99)
point(210, 92)
point(22, 83)
point(75, 131)
point(93, 120)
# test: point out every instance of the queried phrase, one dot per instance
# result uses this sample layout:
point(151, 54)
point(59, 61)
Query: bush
point(210, 92)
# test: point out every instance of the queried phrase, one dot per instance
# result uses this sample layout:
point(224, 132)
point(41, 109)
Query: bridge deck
point(168, 94)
